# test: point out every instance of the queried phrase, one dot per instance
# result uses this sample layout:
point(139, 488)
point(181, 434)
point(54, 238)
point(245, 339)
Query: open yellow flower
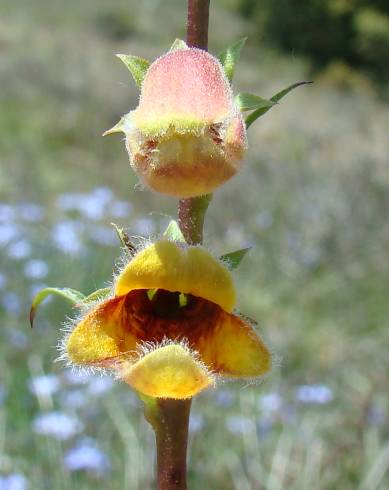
point(187, 136)
point(169, 329)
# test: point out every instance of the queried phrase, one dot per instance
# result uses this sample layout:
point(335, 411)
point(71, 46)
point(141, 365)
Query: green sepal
point(229, 57)
point(285, 91)
point(99, 294)
point(124, 239)
point(233, 259)
point(75, 297)
point(118, 128)
point(278, 96)
point(173, 232)
point(250, 102)
point(151, 409)
point(137, 67)
point(178, 44)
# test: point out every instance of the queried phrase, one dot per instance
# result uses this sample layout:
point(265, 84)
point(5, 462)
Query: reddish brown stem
point(191, 211)
point(191, 214)
point(171, 433)
point(197, 24)
point(170, 418)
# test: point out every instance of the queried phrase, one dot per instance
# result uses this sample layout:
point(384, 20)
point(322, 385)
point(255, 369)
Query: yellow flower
point(187, 136)
point(169, 330)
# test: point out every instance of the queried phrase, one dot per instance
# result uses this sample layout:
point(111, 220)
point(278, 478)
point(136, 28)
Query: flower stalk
point(191, 212)
point(197, 24)
point(191, 215)
point(170, 420)
point(168, 417)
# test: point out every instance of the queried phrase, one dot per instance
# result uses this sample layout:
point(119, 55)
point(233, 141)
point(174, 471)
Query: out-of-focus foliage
point(353, 31)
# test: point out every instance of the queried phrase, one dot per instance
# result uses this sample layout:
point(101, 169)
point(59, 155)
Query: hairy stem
point(191, 212)
point(171, 435)
point(168, 417)
point(170, 421)
point(197, 24)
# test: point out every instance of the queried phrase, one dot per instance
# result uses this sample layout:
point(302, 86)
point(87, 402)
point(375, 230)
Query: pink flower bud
point(187, 136)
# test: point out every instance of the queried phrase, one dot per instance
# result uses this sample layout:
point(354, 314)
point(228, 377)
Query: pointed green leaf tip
point(124, 239)
point(229, 57)
point(173, 232)
point(278, 96)
point(250, 102)
point(137, 66)
point(118, 128)
point(70, 294)
point(233, 259)
point(178, 44)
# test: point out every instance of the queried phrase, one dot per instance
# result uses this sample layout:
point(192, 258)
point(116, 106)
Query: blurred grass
point(312, 199)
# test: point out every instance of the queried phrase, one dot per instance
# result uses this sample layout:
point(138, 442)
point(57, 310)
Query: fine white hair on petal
point(166, 58)
point(145, 348)
point(141, 243)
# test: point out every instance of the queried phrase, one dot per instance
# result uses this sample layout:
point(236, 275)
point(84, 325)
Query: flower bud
point(187, 136)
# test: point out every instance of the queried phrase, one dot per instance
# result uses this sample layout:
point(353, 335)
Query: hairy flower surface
point(187, 136)
point(169, 330)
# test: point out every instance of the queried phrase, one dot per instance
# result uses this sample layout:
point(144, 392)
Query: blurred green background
point(312, 200)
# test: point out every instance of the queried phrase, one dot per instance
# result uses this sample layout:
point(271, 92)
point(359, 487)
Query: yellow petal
point(170, 371)
point(183, 165)
point(101, 335)
point(232, 348)
point(190, 270)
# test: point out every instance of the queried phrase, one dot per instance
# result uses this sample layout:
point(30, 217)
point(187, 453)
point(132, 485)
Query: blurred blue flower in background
point(120, 209)
point(88, 457)
point(224, 398)
point(7, 213)
point(31, 212)
point(73, 399)
point(14, 481)
point(8, 232)
point(91, 206)
point(45, 385)
point(99, 385)
point(58, 425)
point(19, 250)
point(239, 424)
point(103, 235)
point(11, 303)
point(270, 402)
point(36, 269)
point(196, 422)
point(66, 236)
point(143, 226)
point(76, 377)
point(314, 394)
